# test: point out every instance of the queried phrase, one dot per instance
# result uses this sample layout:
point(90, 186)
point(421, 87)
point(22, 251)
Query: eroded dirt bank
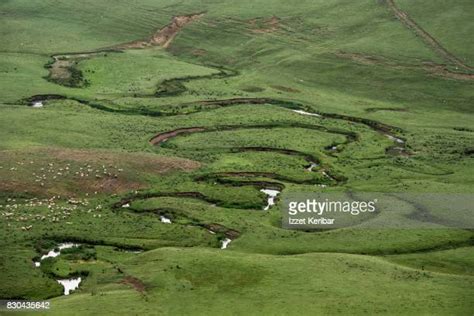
point(164, 36)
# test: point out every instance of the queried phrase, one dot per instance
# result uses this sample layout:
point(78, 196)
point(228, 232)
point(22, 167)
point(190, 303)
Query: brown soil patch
point(165, 35)
point(264, 25)
point(137, 284)
point(60, 69)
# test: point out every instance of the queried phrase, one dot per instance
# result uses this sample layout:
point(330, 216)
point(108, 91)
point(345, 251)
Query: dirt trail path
point(427, 38)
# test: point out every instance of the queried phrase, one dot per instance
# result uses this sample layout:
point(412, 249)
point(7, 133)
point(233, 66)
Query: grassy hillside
point(233, 283)
point(450, 24)
point(107, 134)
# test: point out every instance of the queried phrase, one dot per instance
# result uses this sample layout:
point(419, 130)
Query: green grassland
point(208, 282)
point(85, 167)
point(449, 28)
